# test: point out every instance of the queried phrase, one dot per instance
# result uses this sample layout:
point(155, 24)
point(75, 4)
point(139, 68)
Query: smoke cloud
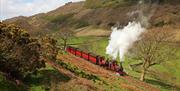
point(122, 39)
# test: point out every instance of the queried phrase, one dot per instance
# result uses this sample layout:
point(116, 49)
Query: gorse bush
point(49, 48)
point(20, 54)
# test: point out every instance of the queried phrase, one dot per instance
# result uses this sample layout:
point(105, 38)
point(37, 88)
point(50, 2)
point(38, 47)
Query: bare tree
point(65, 34)
point(152, 49)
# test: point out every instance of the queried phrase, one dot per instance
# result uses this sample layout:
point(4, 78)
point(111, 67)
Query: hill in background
point(103, 14)
point(90, 20)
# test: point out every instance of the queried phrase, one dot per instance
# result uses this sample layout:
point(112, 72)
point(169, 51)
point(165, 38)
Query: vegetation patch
point(45, 78)
point(108, 3)
point(65, 20)
point(78, 23)
point(7, 85)
point(78, 71)
point(122, 3)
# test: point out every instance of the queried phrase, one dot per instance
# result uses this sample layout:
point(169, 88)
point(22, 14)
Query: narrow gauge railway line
point(108, 74)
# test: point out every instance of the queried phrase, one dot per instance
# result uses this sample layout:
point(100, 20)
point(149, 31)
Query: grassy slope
point(40, 82)
point(44, 77)
point(169, 70)
point(49, 79)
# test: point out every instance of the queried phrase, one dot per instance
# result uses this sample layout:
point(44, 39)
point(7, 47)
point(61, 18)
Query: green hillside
point(103, 15)
point(166, 76)
point(38, 56)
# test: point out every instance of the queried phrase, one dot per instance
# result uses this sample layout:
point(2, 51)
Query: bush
point(19, 53)
point(61, 18)
point(77, 23)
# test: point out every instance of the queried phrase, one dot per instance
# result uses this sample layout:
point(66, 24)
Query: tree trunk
point(143, 74)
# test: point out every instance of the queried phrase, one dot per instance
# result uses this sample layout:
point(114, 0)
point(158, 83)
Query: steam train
point(97, 59)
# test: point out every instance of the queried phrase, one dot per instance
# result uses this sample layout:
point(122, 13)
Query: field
point(169, 70)
point(91, 22)
point(50, 78)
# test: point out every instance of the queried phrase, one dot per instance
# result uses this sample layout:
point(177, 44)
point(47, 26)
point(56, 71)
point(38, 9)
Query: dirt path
point(102, 72)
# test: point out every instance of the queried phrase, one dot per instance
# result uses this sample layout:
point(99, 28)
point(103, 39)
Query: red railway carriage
point(78, 52)
point(92, 58)
point(96, 59)
point(85, 55)
point(70, 49)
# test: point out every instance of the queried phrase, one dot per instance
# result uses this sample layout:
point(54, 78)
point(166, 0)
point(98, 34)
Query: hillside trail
point(133, 84)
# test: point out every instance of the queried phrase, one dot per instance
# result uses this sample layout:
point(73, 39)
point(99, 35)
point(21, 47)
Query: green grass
point(168, 73)
point(42, 81)
point(166, 77)
point(7, 85)
point(96, 45)
point(44, 78)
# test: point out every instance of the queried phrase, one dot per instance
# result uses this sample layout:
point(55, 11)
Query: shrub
point(19, 53)
point(78, 23)
point(61, 18)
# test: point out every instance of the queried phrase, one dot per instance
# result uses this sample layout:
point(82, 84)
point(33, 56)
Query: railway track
point(107, 74)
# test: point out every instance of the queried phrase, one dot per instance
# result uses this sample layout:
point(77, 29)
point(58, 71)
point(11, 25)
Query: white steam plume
point(122, 39)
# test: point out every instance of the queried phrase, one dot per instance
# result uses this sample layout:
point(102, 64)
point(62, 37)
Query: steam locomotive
point(97, 59)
